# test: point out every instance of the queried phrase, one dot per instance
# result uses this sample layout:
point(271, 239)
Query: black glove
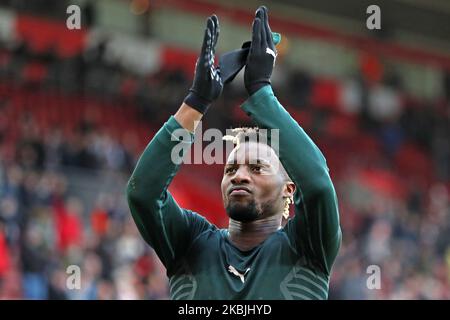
point(207, 85)
point(262, 55)
point(232, 62)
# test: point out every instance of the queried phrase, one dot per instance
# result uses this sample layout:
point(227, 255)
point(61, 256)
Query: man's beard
point(243, 212)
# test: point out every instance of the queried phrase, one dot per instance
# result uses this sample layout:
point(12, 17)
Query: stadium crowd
point(388, 157)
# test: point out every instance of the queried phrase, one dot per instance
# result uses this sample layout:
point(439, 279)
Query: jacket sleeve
point(166, 227)
point(314, 230)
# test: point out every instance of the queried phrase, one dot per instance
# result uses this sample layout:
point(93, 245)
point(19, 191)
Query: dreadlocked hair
point(246, 134)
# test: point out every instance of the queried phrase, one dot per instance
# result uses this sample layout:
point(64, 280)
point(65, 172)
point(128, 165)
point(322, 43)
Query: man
point(256, 257)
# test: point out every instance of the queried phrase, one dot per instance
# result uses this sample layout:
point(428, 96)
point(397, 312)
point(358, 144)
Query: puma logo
point(271, 52)
point(241, 276)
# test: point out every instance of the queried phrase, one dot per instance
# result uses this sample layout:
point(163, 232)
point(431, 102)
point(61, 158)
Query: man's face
point(253, 184)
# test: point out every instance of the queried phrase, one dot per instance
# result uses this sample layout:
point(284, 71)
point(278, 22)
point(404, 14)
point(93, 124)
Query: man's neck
point(247, 235)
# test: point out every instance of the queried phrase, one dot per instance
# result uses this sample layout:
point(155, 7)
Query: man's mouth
point(239, 191)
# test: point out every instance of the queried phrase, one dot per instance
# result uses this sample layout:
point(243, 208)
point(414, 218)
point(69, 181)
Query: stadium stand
point(67, 115)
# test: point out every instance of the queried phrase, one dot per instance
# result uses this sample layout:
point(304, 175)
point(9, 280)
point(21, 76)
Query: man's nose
point(241, 176)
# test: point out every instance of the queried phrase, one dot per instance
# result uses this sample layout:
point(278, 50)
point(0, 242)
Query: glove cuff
point(252, 88)
point(198, 103)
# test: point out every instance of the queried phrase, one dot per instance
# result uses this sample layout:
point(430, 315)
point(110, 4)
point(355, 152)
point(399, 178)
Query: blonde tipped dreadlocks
point(241, 135)
point(288, 201)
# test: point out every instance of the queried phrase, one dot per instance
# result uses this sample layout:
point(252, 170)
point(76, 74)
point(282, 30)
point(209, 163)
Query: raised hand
point(207, 85)
point(262, 55)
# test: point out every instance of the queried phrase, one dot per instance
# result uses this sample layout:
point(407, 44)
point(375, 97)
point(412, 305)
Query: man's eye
point(256, 168)
point(230, 170)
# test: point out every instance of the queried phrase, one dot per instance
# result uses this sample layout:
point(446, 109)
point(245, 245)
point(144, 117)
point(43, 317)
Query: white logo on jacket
point(241, 276)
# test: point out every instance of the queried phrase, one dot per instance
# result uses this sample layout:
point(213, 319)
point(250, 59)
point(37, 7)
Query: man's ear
point(289, 189)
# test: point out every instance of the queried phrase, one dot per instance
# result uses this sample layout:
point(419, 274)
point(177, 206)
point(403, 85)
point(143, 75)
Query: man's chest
point(272, 271)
